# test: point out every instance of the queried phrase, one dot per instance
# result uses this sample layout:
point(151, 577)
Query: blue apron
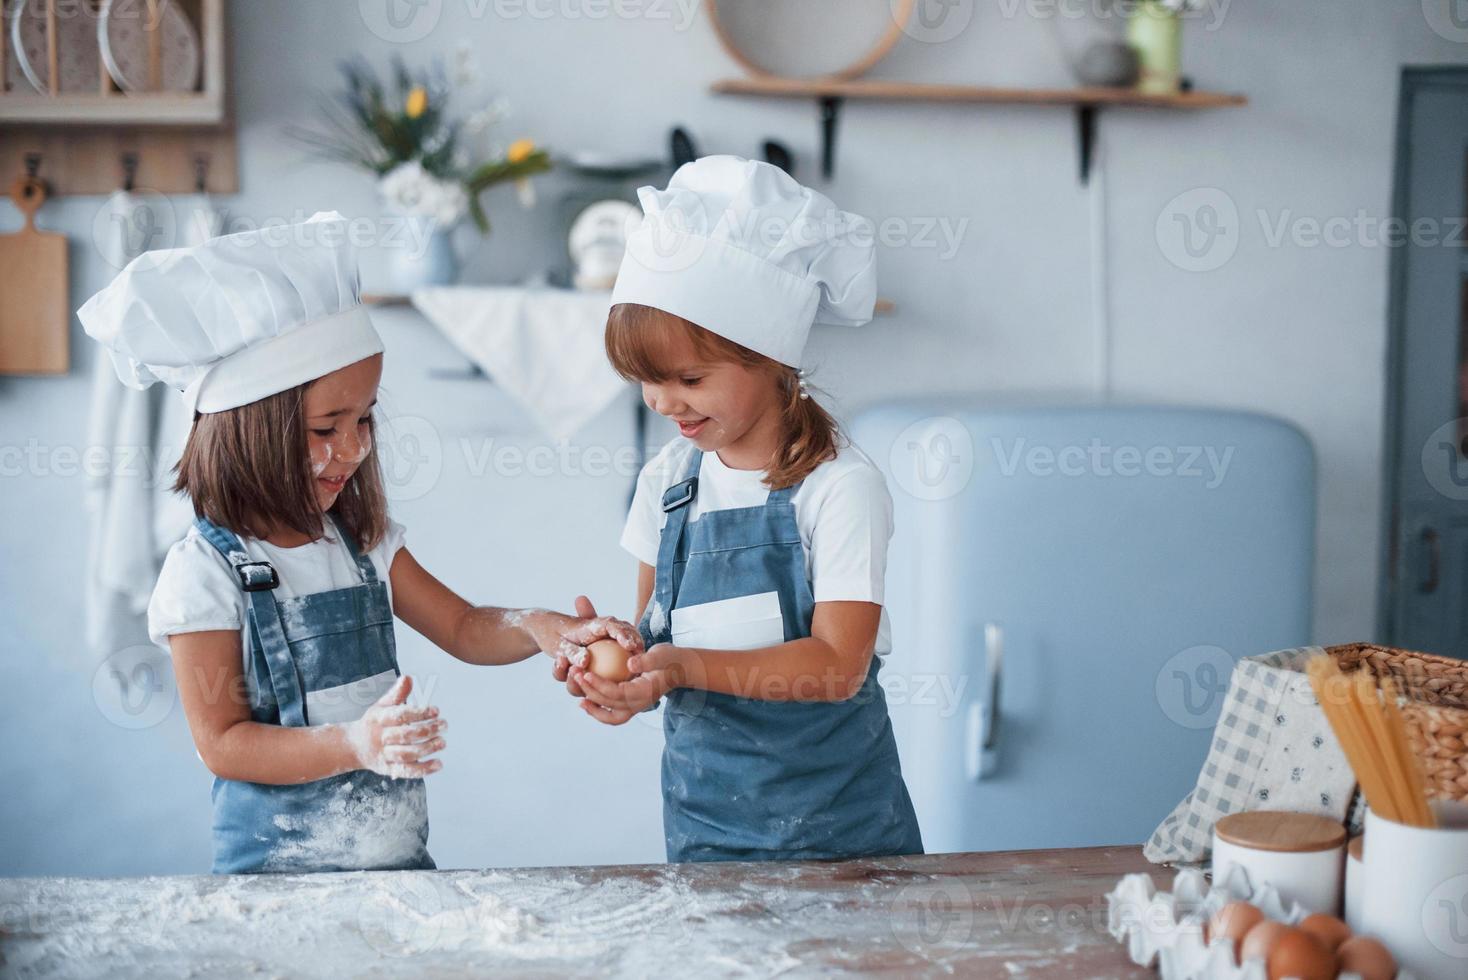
point(746, 779)
point(314, 645)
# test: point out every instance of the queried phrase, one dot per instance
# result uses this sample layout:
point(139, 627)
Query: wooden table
point(1005, 914)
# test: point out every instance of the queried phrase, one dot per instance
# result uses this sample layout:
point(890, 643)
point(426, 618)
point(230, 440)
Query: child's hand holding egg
point(598, 644)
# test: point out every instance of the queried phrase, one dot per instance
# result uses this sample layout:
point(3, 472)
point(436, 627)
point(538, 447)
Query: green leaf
point(476, 211)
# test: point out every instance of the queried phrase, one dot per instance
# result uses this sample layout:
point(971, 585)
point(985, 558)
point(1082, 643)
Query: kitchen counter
point(1000, 914)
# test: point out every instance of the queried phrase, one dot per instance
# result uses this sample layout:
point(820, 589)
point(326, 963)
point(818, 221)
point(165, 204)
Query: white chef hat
point(239, 317)
point(740, 248)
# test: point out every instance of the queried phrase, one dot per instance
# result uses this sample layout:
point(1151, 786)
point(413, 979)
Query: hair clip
point(801, 383)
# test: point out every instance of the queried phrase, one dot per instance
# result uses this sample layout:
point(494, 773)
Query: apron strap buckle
point(680, 494)
point(257, 576)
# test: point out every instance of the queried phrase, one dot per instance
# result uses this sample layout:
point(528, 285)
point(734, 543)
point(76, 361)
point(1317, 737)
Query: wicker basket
point(1436, 709)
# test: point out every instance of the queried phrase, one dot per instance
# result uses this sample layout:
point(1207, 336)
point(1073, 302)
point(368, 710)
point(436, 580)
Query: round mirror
point(809, 38)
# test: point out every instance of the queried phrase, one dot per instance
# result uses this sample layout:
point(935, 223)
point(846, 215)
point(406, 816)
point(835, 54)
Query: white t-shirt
point(843, 511)
point(197, 589)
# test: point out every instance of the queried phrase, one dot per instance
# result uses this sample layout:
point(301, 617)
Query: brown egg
point(1260, 941)
point(1366, 956)
point(607, 659)
point(1233, 922)
point(1328, 931)
point(1297, 955)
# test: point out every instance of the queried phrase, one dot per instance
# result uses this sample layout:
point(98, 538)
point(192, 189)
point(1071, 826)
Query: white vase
point(424, 258)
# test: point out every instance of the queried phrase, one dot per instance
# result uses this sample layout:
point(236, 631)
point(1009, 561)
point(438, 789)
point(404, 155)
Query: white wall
point(1292, 330)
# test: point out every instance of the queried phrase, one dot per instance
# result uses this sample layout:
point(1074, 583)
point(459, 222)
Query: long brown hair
point(638, 339)
point(249, 469)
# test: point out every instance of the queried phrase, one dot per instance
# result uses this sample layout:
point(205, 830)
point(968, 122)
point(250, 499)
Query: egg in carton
point(1167, 929)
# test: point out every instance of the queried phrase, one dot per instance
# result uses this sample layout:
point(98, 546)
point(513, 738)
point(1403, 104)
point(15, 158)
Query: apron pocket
point(347, 702)
point(744, 623)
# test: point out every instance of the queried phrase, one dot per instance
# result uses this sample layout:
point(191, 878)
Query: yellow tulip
point(417, 102)
point(519, 150)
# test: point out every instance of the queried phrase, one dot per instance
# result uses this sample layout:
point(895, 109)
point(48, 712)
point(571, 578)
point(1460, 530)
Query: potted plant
point(1154, 31)
point(404, 133)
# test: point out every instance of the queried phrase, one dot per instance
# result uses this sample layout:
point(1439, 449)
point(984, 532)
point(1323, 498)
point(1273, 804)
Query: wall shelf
point(147, 109)
point(882, 307)
point(95, 141)
point(830, 94)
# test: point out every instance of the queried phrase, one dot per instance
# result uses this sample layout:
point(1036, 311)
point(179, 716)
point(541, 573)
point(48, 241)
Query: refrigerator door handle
point(982, 755)
point(1431, 545)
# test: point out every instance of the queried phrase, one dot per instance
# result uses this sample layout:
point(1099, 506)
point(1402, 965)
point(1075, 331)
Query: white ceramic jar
point(1301, 854)
point(1416, 892)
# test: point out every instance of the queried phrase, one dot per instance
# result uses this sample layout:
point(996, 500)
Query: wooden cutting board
point(34, 319)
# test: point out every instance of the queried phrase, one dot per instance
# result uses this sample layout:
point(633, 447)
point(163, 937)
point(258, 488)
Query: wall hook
point(1086, 138)
point(830, 113)
point(129, 171)
point(201, 173)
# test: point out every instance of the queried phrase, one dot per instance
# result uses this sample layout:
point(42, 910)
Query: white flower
point(411, 190)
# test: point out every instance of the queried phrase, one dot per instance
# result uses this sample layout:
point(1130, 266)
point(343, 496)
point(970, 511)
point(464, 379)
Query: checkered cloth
point(1272, 750)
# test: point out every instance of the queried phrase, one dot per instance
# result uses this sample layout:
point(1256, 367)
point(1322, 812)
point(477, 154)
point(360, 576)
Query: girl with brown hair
point(762, 533)
point(278, 605)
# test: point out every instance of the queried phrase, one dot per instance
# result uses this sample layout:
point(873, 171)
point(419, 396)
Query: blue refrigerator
point(1068, 589)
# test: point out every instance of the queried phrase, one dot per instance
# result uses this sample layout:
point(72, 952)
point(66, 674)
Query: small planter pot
point(1156, 34)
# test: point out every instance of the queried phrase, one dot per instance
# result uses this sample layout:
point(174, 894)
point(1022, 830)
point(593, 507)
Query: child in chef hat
point(278, 605)
point(762, 533)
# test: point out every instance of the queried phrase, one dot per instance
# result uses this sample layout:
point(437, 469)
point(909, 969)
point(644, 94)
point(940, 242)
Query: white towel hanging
point(543, 347)
point(133, 516)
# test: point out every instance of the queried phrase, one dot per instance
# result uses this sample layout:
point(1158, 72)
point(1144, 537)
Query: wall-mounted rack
point(830, 94)
point(96, 140)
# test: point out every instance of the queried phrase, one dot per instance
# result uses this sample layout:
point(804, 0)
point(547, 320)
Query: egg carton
point(1165, 929)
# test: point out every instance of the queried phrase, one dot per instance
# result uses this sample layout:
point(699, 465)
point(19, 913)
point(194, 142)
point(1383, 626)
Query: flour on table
point(629, 922)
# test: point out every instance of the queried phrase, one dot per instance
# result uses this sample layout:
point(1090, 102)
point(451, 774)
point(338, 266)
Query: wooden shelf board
point(197, 109)
point(386, 299)
point(871, 89)
point(883, 306)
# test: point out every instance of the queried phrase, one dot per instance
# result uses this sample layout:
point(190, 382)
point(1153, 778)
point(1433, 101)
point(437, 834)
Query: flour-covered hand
point(562, 672)
point(590, 627)
point(394, 738)
point(586, 629)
